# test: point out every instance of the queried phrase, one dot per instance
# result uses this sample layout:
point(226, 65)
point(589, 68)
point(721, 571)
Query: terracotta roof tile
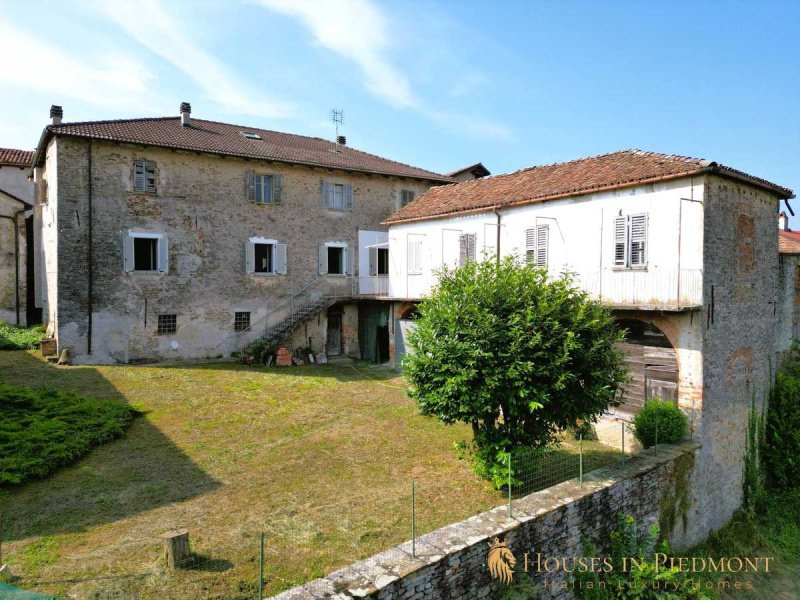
point(17, 158)
point(536, 184)
point(788, 242)
point(227, 139)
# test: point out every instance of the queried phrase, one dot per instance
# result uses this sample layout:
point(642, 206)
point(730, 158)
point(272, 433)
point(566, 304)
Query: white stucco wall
point(14, 180)
point(581, 241)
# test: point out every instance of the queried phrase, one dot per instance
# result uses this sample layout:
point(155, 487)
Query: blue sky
point(435, 84)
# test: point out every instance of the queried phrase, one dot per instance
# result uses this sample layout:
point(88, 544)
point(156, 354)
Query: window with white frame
point(145, 252)
point(407, 196)
point(334, 259)
point(266, 257)
point(337, 196)
point(466, 246)
point(630, 241)
point(537, 241)
point(144, 176)
point(263, 189)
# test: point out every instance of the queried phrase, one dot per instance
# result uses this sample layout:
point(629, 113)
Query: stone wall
point(200, 205)
point(451, 562)
point(13, 262)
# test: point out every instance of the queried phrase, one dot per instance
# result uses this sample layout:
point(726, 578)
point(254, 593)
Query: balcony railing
point(375, 285)
point(670, 289)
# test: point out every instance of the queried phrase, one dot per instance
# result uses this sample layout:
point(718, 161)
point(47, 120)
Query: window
point(241, 321)
point(406, 196)
point(337, 196)
point(334, 259)
point(266, 257)
point(145, 252)
point(167, 324)
point(144, 176)
point(250, 135)
point(466, 243)
point(415, 254)
point(630, 241)
point(536, 245)
point(263, 189)
point(378, 261)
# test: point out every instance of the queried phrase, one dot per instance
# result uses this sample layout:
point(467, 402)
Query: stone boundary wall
point(450, 562)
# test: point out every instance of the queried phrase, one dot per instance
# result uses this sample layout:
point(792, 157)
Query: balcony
point(653, 289)
point(374, 285)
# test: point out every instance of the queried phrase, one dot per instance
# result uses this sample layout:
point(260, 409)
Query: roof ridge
point(104, 121)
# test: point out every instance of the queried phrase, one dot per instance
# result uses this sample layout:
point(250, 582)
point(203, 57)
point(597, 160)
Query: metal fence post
point(413, 524)
point(623, 439)
point(261, 567)
point(580, 459)
point(509, 486)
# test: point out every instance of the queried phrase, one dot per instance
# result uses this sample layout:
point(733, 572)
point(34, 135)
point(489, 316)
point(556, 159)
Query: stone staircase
point(318, 295)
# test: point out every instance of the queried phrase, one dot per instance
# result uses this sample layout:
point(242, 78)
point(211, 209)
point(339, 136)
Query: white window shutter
point(348, 196)
point(530, 245)
point(250, 186)
point(620, 242)
point(276, 189)
point(325, 195)
point(163, 255)
point(638, 252)
point(542, 245)
point(281, 261)
point(412, 255)
point(323, 259)
point(139, 184)
point(127, 252)
point(348, 267)
point(250, 258)
point(373, 262)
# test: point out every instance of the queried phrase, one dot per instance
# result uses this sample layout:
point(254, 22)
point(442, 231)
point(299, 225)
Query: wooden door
point(335, 334)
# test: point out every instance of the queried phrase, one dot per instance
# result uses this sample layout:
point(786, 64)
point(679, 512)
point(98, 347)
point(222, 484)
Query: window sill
point(629, 268)
point(260, 274)
point(341, 275)
point(136, 272)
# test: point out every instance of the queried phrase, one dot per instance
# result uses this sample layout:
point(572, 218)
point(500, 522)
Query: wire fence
point(309, 538)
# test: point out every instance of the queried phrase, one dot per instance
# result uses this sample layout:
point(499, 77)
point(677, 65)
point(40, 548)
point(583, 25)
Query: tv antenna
point(337, 116)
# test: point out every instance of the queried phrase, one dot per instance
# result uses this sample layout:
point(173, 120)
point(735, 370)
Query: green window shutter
point(276, 189)
point(250, 186)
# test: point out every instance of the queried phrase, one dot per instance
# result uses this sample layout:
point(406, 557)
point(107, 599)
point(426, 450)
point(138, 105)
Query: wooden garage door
point(653, 372)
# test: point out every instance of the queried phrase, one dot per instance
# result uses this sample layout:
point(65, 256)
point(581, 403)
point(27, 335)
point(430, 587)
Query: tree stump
point(176, 548)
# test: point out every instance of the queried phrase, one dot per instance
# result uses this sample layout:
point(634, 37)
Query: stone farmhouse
point(683, 250)
point(16, 238)
point(176, 237)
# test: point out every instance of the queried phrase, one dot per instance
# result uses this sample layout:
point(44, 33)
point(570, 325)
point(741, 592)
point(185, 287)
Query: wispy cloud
point(163, 35)
point(115, 80)
point(357, 30)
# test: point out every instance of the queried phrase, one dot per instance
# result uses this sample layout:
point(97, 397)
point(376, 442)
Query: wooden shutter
point(150, 176)
point(348, 196)
point(373, 262)
point(280, 259)
point(325, 195)
point(163, 255)
point(250, 186)
point(466, 247)
point(323, 259)
point(620, 242)
point(347, 260)
point(638, 251)
point(127, 252)
point(276, 189)
point(530, 245)
point(542, 244)
point(250, 258)
point(139, 184)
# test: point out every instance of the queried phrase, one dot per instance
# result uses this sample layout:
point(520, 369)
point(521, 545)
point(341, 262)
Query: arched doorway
point(653, 365)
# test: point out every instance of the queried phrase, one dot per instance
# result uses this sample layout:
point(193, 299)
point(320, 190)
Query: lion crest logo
point(501, 561)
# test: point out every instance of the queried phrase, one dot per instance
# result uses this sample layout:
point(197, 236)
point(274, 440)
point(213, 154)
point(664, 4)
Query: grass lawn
point(319, 458)
point(19, 338)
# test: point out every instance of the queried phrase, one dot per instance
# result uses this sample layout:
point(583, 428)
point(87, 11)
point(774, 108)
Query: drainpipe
point(13, 220)
point(90, 243)
point(497, 214)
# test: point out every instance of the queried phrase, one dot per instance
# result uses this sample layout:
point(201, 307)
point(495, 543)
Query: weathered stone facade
point(200, 206)
point(16, 199)
point(451, 562)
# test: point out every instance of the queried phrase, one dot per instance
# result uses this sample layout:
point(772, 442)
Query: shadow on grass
point(139, 472)
point(200, 562)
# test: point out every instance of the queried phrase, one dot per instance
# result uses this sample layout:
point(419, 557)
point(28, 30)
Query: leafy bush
point(42, 430)
point(643, 579)
point(19, 338)
point(518, 356)
point(659, 422)
point(781, 454)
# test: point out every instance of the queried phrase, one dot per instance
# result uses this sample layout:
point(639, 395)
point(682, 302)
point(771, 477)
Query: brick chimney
point(341, 140)
point(783, 222)
point(56, 114)
point(186, 114)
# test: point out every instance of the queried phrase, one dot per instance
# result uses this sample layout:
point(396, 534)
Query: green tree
point(518, 356)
